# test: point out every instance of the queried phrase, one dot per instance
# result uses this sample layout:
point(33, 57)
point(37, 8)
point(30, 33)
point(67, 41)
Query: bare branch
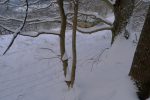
point(79, 29)
point(18, 30)
point(34, 3)
point(48, 49)
point(7, 28)
point(91, 29)
point(95, 15)
point(56, 19)
point(97, 58)
point(3, 2)
point(32, 33)
point(24, 4)
point(50, 4)
point(36, 34)
point(32, 21)
point(57, 57)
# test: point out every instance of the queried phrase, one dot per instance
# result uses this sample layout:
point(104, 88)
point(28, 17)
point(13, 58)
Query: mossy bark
point(140, 70)
point(123, 10)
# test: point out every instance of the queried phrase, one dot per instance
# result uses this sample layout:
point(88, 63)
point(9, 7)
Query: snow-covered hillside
point(32, 70)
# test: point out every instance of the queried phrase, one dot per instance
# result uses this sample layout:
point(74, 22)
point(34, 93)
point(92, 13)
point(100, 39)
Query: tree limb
point(93, 14)
point(36, 34)
point(24, 4)
point(34, 20)
point(7, 28)
point(50, 4)
point(3, 2)
point(91, 29)
point(18, 30)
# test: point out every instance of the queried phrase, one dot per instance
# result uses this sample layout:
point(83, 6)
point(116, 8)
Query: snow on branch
point(91, 29)
point(31, 33)
point(33, 5)
point(146, 1)
point(48, 5)
point(3, 2)
point(108, 25)
point(35, 2)
point(18, 30)
point(94, 29)
point(95, 15)
point(24, 4)
point(31, 21)
point(55, 19)
point(40, 32)
point(7, 28)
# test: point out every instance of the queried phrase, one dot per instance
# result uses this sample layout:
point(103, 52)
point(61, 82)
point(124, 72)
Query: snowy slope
point(32, 70)
point(109, 79)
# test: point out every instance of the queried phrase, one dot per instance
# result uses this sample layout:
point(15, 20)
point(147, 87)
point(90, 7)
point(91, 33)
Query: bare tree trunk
point(122, 10)
point(74, 61)
point(0, 32)
point(140, 70)
point(62, 35)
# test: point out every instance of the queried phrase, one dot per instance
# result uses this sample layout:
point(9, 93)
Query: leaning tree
point(140, 70)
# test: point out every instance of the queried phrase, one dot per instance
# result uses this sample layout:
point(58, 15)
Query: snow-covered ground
point(32, 70)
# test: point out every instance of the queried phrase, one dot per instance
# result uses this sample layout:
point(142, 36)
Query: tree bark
point(0, 32)
point(74, 61)
point(122, 10)
point(140, 70)
point(62, 35)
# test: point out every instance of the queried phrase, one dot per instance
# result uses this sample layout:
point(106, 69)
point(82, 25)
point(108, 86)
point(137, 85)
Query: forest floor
point(32, 70)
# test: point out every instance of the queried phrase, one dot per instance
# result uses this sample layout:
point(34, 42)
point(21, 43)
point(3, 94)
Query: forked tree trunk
point(62, 35)
point(122, 10)
point(74, 55)
point(140, 70)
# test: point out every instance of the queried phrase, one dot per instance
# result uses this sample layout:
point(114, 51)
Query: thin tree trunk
point(140, 70)
point(74, 61)
point(0, 32)
point(62, 35)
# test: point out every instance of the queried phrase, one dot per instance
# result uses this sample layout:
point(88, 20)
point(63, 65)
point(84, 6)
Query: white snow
point(148, 99)
point(65, 56)
point(146, 0)
point(32, 69)
point(68, 76)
